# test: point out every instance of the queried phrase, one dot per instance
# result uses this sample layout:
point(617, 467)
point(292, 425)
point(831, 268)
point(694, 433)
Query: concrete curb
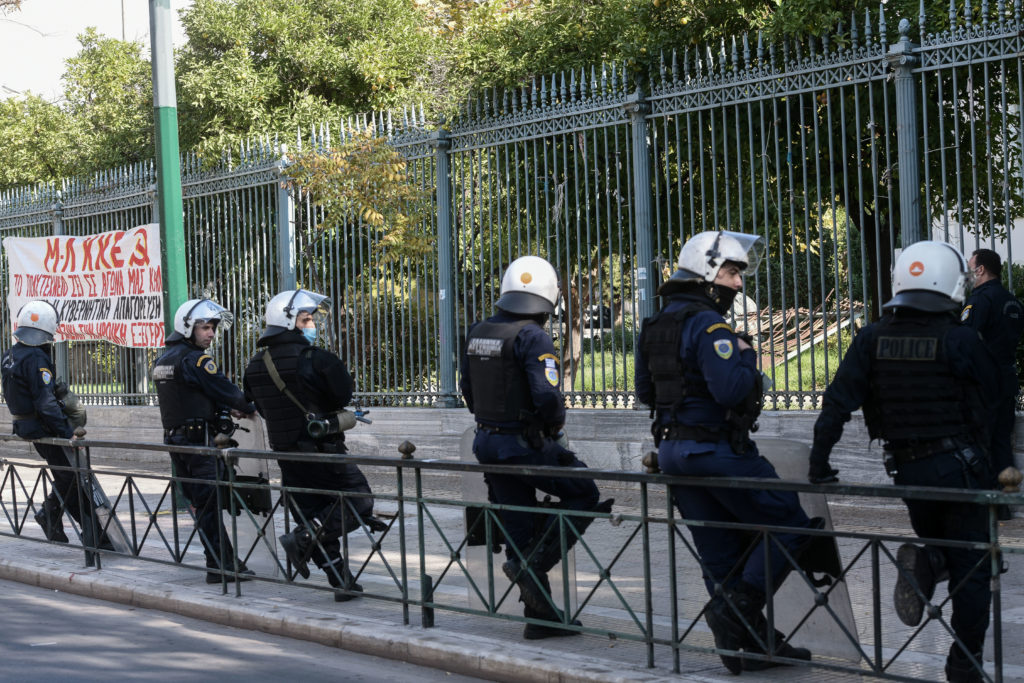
point(460, 653)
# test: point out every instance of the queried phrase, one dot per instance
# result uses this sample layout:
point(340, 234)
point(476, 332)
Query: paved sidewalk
point(492, 648)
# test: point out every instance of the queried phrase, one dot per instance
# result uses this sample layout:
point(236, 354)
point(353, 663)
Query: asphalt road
point(47, 635)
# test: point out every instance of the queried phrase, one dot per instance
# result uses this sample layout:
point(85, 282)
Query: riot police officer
point(705, 390)
point(999, 317)
point(921, 379)
point(301, 391)
point(29, 384)
point(193, 394)
point(510, 382)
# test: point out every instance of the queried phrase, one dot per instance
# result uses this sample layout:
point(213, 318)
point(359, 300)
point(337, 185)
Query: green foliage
point(813, 369)
point(605, 371)
point(37, 142)
point(365, 181)
point(264, 66)
point(109, 93)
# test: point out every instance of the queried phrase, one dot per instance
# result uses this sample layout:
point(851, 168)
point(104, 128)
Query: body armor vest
point(286, 423)
point(502, 392)
point(914, 395)
point(15, 389)
point(671, 378)
point(178, 401)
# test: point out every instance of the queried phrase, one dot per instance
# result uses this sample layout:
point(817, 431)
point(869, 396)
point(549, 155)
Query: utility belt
point(29, 416)
point(514, 431)
point(194, 431)
point(925, 449)
point(675, 431)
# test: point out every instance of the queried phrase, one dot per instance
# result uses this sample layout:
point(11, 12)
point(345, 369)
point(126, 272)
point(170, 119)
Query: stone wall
point(604, 439)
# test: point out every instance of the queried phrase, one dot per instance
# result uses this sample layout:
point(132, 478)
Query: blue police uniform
point(524, 437)
point(192, 390)
point(694, 436)
point(920, 378)
point(28, 384)
point(998, 316)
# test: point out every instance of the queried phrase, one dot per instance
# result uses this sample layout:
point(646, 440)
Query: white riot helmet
point(703, 255)
point(928, 276)
point(529, 287)
point(37, 323)
point(284, 308)
point(197, 311)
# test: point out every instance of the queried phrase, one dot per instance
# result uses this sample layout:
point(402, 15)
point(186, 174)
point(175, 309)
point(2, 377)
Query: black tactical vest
point(671, 378)
point(178, 401)
point(500, 388)
point(286, 423)
point(914, 395)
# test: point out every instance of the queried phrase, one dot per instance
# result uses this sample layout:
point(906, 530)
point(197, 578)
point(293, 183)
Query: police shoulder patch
point(723, 348)
point(551, 375)
point(47, 376)
point(207, 363)
point(966, 313)
point(719, 326)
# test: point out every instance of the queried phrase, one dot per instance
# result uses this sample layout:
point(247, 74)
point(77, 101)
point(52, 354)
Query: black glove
point(820, 472)
point(376, 524)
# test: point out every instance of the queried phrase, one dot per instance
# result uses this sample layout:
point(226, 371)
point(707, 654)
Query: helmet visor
point(753, 247)
point(207, 311)
point(309, 302)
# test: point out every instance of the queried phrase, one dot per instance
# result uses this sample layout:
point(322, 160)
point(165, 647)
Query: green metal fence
point(837, 150)
point(636, 579)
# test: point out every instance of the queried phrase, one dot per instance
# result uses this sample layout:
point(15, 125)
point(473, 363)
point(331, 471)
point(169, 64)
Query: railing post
point(902, 60)
point(60, 351)
point(447, 332)
point(638, 108)
point(286, 278)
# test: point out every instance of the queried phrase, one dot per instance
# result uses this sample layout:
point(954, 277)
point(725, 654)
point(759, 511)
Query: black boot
point(49, 517)
point(918, 571)
point(782, 649)
point(727, 630)
point(298, 545)
point(539, 631)
point(534, 592)
point(340, 577)
point(960, 669)
point(244, 574)
point(549, 552)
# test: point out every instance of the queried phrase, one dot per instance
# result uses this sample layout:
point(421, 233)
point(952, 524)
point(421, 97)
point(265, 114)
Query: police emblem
point(46, 375)
point(723, 347)
point(550, 368)
point(206, 363)
point(966, 313)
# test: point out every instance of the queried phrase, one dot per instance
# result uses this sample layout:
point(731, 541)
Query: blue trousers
point(726, 550)
point(960, 522)
point(521, 489)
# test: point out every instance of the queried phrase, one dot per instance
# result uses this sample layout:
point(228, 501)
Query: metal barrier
point(417, 560)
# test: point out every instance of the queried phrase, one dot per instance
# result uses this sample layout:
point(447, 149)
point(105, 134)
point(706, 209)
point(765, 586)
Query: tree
point(109, 93)
point(277, 66)
point(38, 142)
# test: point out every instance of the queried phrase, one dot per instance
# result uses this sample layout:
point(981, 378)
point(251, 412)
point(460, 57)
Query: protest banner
point(106, 286)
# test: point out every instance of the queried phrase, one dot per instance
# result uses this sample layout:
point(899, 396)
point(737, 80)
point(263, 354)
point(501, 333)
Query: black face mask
point(723, 297)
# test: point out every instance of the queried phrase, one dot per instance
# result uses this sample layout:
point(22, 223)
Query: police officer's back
point(28, 387)
point(193, 395)
point(921, 377)
point(510, 381)
point(302, 390)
